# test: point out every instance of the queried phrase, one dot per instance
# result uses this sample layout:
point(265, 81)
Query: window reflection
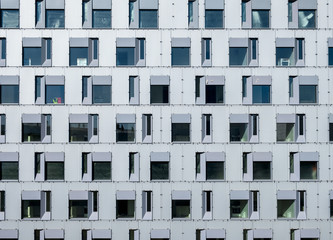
point(125, 132)
point(54, 94)
point(260, 19)
point(78, 56)
point(78, 132)
point(159, 170)
point(101, 94)
point(125, 56)
point(238, 56)
point(101, 19)
point(306, 18)
point(55, 18)
point(9, 18)
point(9, 94)
point(148, 19)
point(214, 19)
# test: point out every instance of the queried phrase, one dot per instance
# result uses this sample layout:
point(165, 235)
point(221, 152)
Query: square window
point(159, 94)
point(8, 170)
point(260, 18)
point(32, 56)
point(31, 209)
point(83, 52)
point(125, 132)
point(181, 209)
point(83, 128)
point(261, 170)
point(239, 209)
point(54, 94)
point(125, 56)
point(78, 56)
point(215, 171)
point(261, 94)
point(101, 94)
point(131, 52)
point(290, 52)
point(54, 171)
point(50, 14)
point(214, 94)
point(180, 56)
point(238, 132)
point(213, 19)
point(55, 19)
point(159, 171)
point(37, 52)
point(307, 94)
point(101, 18)
point(180, 132)
point(78, 132)
point(148, 19)
point(78, 209)
point(308, 170)
point(306, 19)
point(101, 171)
point(96, 14)
point(238, 56)
point(96, 90)
point(36, 205)
point(9, 94)
point(285, 132)
point(243, 52)
point(125, 209)
point(285, 56)
point(286, 209)
point(36, 128)
point(10, 18)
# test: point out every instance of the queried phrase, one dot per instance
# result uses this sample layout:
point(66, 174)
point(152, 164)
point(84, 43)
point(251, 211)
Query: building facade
point(166, 119)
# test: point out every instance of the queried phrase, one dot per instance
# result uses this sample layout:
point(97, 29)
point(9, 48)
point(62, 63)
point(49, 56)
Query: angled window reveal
point(210, 166)
point(96, 13)
point(37, 52)
point(303, 89)
point(256, 89)
point(83, 52)
point(36, 205)
point(244, 128)
point(257, 166)
point(290, 52)
point(96, 166)
point(209, 89)
point(96, 90)
point(49, 166)
point(50, 14)
point(143, 14)
point(302, 14)
point(256, 13)
point(290, 128)
point(291, 204)
point(244, 204)
point(83, 205)
point(131, 52)
point(83, 128)
point(36, 128)
point(50, 90)
point(243, 52)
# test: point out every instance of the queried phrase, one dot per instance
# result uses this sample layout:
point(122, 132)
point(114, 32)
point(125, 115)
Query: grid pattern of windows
point(210, 115)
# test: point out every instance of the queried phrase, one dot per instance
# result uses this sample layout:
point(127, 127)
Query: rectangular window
point(243, 52)
point(159, 89)
point(304, 166)
point(96, 90)
point(330, 56)
point(303, 89)
point(256, 14)
point(180, 51)
point(256, 89)
point(147, 205)
point(143, 14)
point(3, 52)
point(49, 90)
point(147, 128)
point(159, 166)
point(83, 52)
point(244, 128)
point(180, 128)
point(125, 128)
point(307, 19)
point(36, 204)
point(134, 166)
point(257, 166)
point(291, 204)
point(260, 18)
point(214, 14)
point(193, 13)
point(50, 14)
point(134, 90)
point(10, 17)
point(83, 128)
point(181, 205)
point(286, 130)
point(96, 166)
point(96, 14)
point(36, 128)
point(2, 204)
point(9, 90)
point(83, 205)
point(148, 18)
point(210, 166)
point(37, 52)
point(207, 130)
point(130, 52)
point(2, 128)
point(290, 52)
point(244, 204)
point(125, 206)
point(78, 209)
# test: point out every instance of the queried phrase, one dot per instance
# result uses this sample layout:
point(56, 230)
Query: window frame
point(252, 55)
point(142, 5)
point(249, 82)
point(43, 197)
point(295, 6)
point(251, 158)
point(298, 52)
point(298, 158)
point(257, 5)
point(125, 119)
point(125, 196)
point(251, 129)
point(159, 157)
point(295, 82)
point(137, 45)
point(160, 81)
point(249, 196)
point(205, 157)
point(92, 157)
point(181, 196)
point(85, 119)
point(10, 5)
point(95, 5)
point(45, 45)
point(90, 45)
point(181, 119)
point(292, 195)
point(41, 119)
point(84, 196)
point(181, 43)
point(46, 157)
point(48, 81)
point(48, 5)
point(92, 81)
point(201, 83)
point(294, 119)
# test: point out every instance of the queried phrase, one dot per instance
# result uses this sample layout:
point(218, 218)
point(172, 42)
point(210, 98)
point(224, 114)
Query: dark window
point(238, 132)
point(101, 19)
point(78, 209)
point(148, 19)
point(285, 56)
point(31, 132)
point(125, 208)
point(214, 170)
point(125, 56)
point(78, 132)
point(180, 56)
point(261, 170)
point(9, 94)
point(159, 94)
point(8, 170)
point(307, 94)
point(285, 132)
point(30, 209)
point(78, 56)
point(331, 132)
point(181, 208)
point(32, 56)
point(214, 19)
point(214, 93)
point(286, 209)
point(239, 209)
point(54, 171)
point(159, 170)
point(260, 19)
point(308, 170)
point(238, 56)
point(54, 94)
point(180, 132)
point(101, 94)
point(101, 171)
point(55, 18)
point(261, 94)
point(125, 132)
point(330, 56)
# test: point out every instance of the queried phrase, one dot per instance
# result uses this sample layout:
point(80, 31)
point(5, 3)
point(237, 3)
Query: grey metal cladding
point(238, 42)
point(285, 42)
point(54, 233)
point(181, 195)
point(330, 42)
point(215, 156)
point(31, 118)
point(54, 156)
point(125, 42)
point(261, 4)
point(286, 194)
point(102, 4)
point(308, 80)
point(159, 80)
point(125, 118)
point(215, 80)
point(9, 156)
point(160, 156)
point(160, 234)
point(55, 80)
point(79, 42)
point(78, 118)
point(9, 4)
point(102, 80)
point(101, 233)
point(239, 118)
point(55, 4)
point(261, 80)
point(214, 4)
point(148, 4)
point(125, 195)
point(239, 195)
point(32, 42)
point(9, 80)
point(181, 42)
point(215, 233)
point(8, 234)
point(307, 4)
point(285, 118)
point(181, 118)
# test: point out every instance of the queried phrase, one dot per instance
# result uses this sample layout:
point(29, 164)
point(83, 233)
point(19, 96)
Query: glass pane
point(31, 132)
point(131, 87)
point(148, 19)
point(3, 48)
point(159, 94)
point(261, 170)
point(286, 209)
point(101, 94)
point(9, 94)
point(101, 18)
point(290, 11)
point(261, 94)
point(260, 18)
point(85, 11)
point(9, 170)
point(214, 93)
point(214, 19)
point(331, 208)
point(180, 132)
point(331, 132)
point(37, 87)
point(190, 11)
point(78, 132)
point(238, 132)
point(181, 208)
point(10, 18)
point(78, 209)
point(38, 10)
point(238, 56)
point(32, 56)
point(159, 170)
point(84, 87)
point(330, 56)
point(101, 171)
point(2, 201)
point(214, 170)
point(308, 170)
point(125, 208)
point(306, 18)
point(125, 132)
point(207, 49)
point(239, 209)
point(125, 56)
point(78, 56)
point(31, 209)
point(54, 171)
point(180, 56)
point(55, 18)
point(291, 86)
point(131, 11)
point(285, 132)
point(54, 94)
point(285, 56)
point(3, 124)
point(307, 94)
point(142, 48)
point(254, 49)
